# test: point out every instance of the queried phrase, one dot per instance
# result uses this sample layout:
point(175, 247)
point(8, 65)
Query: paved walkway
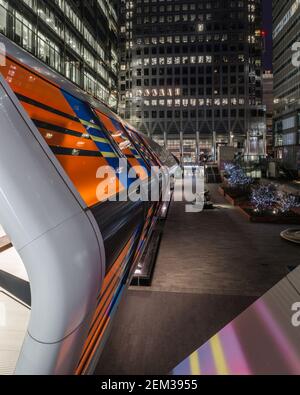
point(211, 266)
point(218, 252)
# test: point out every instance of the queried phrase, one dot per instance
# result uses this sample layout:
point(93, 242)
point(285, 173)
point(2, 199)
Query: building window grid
point(24, 33)
point(226, 95)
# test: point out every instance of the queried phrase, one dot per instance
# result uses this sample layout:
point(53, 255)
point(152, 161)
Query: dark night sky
point(267, 26)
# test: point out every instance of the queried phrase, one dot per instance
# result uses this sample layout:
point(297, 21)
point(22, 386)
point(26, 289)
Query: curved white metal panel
point(56, 359)
point(64, 271)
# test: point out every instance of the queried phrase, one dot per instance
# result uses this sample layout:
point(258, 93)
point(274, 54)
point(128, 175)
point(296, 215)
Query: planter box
point(221, 191)
point(234, 201)
point(270, 219)
point(224, 180)
point(296, 210)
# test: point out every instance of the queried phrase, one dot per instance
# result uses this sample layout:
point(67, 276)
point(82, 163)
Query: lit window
point(200, 27)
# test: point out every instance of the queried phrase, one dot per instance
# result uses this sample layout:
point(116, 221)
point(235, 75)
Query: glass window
point(3, 16)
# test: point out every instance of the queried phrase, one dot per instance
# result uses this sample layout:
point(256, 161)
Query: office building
point(268, 101)
point(76, 38)
point(191, 73)
point(286, 27)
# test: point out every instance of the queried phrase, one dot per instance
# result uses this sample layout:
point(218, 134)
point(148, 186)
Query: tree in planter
point(229, 169)
point(238, 178)
point(286, 202)
point(264, 198)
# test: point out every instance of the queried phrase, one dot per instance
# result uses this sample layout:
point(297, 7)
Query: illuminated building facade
point(268, 100)
point(78, 39)
point(191, 73)
point(286, 33)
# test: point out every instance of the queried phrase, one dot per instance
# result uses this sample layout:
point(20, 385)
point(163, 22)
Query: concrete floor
point(211, 266)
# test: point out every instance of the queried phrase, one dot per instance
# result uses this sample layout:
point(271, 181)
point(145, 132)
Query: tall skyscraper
point(76, 38)
point(286, 28)
point(191, 73)
point(268, 100)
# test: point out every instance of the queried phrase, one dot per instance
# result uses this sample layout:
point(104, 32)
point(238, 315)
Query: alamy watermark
point(296, 54)
point(136, 183)
point(296, 315)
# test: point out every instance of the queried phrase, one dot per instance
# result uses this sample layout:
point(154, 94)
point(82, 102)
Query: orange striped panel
point(55, 119)
point(82, 171)
point(142, 174)
point(28, 84)
point(110, 127)
point(64, 140)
